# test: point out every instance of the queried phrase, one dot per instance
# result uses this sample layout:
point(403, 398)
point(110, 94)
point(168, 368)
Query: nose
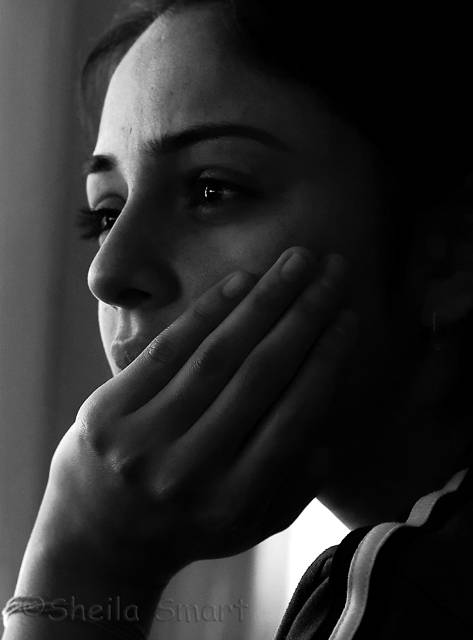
point(130, 269)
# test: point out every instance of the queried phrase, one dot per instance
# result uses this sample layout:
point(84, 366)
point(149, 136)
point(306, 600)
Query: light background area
point(50, 352)
point(315, 530)
point(194, 605)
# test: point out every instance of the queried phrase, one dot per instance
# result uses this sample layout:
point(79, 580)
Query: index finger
point(165, 355)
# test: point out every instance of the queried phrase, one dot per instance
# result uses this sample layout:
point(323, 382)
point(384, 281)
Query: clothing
point(394, 580)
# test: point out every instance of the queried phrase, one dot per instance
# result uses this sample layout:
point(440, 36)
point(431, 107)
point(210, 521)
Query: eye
point(94, 222)
point(210, 191)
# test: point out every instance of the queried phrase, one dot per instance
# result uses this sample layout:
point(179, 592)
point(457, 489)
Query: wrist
point(73, 547)
point(82, 588)
point(60, 566)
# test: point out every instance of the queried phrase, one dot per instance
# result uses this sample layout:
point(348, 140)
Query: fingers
point(269, 368)
point(220, 355)
point(255, 454)
point(252, 451)
point(166, 354)
point(296, 422)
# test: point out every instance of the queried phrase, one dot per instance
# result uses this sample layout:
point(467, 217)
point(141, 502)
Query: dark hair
point(397, 79)
point(402, 89)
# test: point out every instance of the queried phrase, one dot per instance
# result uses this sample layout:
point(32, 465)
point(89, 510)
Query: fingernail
point(294, 267)
point(236, 285)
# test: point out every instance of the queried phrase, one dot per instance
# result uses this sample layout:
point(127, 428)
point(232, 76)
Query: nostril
point(130, 276)
point(131, 298)
point(114, 292)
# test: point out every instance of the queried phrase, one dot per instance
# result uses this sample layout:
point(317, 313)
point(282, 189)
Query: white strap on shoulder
point(365, 555)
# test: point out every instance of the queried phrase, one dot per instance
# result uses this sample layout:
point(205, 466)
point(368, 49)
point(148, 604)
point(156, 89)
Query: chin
point(115, 370)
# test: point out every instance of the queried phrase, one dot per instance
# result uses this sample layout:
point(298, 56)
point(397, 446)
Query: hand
point(206, 444)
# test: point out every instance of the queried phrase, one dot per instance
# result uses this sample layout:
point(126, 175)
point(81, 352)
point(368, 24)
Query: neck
point(380, 479)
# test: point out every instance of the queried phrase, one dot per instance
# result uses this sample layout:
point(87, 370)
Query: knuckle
point(126, 466)
point(162, 349)
point(201, 310)
point(166, 489)
point(92, 430)
point(169, 483)
point(210, 359)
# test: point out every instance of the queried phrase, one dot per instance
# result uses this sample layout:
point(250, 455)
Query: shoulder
point(395, 579)
point(310, 601)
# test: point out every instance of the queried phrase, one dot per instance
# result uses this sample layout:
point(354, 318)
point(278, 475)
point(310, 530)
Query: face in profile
point(208, 166)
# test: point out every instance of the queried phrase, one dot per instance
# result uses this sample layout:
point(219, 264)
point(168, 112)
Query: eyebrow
point(173, 142)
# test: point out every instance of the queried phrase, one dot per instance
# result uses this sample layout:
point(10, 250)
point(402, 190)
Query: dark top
point(394, 580)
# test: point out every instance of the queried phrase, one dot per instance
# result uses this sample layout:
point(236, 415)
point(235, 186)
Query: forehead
point(183, 72)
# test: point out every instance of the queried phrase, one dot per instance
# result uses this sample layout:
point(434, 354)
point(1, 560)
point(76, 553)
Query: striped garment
point(394, 580)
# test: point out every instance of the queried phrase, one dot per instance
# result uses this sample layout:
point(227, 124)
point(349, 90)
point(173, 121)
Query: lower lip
point(122, 363)
point(121, 357)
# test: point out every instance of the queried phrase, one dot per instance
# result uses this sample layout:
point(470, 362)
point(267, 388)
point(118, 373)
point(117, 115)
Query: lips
point(124, 352)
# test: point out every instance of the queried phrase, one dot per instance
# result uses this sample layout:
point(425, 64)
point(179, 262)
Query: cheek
point(254, 245)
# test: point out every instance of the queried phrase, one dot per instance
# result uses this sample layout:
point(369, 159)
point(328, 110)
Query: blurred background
point(50, 352)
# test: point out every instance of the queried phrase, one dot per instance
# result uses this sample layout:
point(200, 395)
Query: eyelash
point(92, 220)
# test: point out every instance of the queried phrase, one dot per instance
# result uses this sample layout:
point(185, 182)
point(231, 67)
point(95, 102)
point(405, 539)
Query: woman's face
point(214, 166)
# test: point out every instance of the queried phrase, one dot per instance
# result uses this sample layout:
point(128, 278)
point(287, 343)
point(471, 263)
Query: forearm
point(70, 577)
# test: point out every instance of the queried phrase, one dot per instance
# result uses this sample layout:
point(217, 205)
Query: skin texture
point(243, 409)
point(321, 192)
